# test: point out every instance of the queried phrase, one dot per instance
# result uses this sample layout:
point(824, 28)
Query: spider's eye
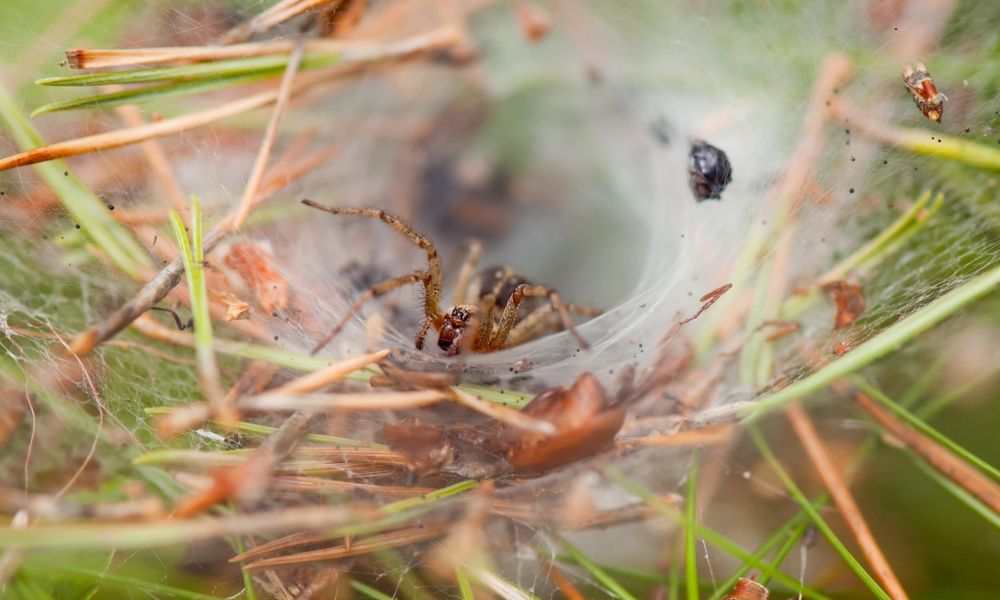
point(461, 314)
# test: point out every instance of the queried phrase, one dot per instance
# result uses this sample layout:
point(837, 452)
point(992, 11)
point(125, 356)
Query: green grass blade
point(618, 572)
point(135, 583)
point(25, 588)
point(691, 523)
point(791, 531)
point(406, 584)
point(276, 356)
point(914, 421)
point(273, 64)
point(756, 358)
point(786, 548)
point(674, 584)
point(960, 494)
point(81, 203)
point(248, 588)
point(597, 572)
point(150, 94)
point(445, 492)
point(369, 591)
point(193, 254)
point(814, 515)
point(964, 151)
point(887, 341)
point(464, 586)
point(874, 251)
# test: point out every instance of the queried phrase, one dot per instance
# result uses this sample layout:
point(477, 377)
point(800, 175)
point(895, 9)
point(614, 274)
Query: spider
point(495, 294)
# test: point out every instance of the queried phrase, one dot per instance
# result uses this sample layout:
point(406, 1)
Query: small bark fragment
point(849, 301)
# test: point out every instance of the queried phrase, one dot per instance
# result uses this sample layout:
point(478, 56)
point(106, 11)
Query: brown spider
point(500, 290)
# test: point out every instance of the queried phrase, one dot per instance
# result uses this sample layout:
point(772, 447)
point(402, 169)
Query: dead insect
point(849, 301)
point(586, 423)
point(489, 321)
point(925, 94)
point(709, 171)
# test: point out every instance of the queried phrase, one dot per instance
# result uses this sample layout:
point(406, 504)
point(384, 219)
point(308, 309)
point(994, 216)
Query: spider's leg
point(580, 309)
point(531, 326)
point(376, 290)
point(432, 281)
point(432, 321)
point(539, 320)
point(510, 313)
point(484, 336)
point(473, 254)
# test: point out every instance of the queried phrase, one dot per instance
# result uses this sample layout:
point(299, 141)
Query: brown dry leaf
point(253, 264)
point(849, 300)
point(585, 424)
point(236, 311)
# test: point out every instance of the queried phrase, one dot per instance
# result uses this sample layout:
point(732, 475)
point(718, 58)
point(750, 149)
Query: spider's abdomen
point(500, 282)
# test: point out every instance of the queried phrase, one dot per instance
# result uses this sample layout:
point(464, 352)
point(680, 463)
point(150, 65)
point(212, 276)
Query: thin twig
point(917, 141)
point(503, 414)
point(396, 539)
point(155, 290)
point(265, 21)
point(317, 379)
point(270, 136)
point(346, 401)
point(133, 135)
point(358, 61)
point(275, 15)
point(943, 460)
point(718, 434)
point(85, 535)
point(817, 452)
point(349, 50)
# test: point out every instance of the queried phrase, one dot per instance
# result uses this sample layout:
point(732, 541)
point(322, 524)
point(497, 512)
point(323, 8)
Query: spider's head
point(453, 329)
